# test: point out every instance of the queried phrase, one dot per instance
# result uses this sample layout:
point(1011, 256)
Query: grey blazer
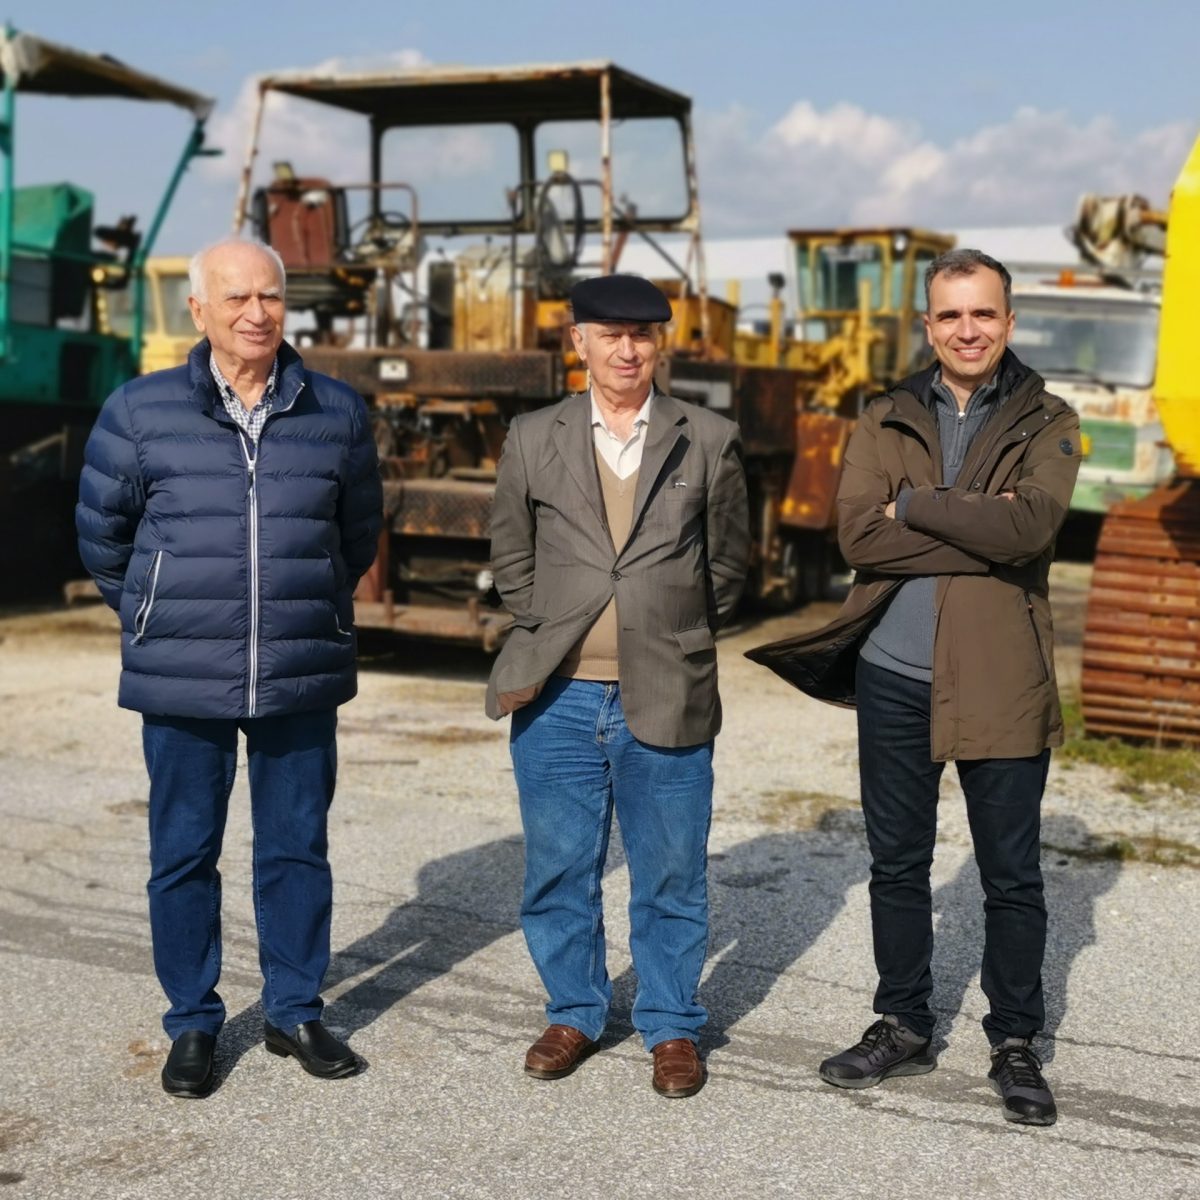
point(676, 579)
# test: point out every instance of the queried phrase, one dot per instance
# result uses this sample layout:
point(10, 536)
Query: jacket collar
point(573, 439)
point(1019, 388)
point(289, 384)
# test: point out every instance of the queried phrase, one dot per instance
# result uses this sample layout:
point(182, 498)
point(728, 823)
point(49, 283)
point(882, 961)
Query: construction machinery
point(1090, 329)
point(1141, 651)
point(1093, 340)
point(58, 360)
point(857, 329)
point(436, 285)
point(166, 324)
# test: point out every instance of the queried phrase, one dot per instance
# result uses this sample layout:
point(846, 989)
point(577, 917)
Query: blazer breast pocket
point(680, 502)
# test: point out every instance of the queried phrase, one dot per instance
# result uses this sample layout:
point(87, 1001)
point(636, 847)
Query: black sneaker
point(887, 1048)
point(1016, 1076)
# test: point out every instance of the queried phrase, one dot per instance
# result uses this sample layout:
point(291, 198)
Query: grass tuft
point(1140, 768)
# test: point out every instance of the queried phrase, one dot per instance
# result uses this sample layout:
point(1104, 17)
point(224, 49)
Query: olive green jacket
point(993, 692)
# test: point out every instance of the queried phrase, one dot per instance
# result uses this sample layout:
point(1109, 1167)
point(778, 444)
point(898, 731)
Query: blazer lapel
point(667, 423)
point(577, 449)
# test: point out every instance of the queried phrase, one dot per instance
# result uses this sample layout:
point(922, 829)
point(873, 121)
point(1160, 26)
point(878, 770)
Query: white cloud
point(833, 166)
point(845, 165)
point(315, 138)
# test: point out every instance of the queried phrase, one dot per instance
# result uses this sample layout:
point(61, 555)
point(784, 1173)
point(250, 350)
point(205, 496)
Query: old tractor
point(436, 285)
point(58, 359)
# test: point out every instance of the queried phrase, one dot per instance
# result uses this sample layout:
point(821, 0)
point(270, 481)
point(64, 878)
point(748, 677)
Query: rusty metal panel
point(762, 400)
point(450, 508)
point(526, 374)
point(469, 623)
point(1141, 647)
point(812, 489)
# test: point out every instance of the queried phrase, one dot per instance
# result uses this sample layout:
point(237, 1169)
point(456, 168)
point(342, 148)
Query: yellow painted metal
point(1177, 381)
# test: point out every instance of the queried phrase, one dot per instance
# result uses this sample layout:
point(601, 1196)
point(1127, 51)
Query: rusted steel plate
point(1141, 646)
point(812, 489)
point(452, 508)
point(761, 400)
point(468, 623)
point(529, 374)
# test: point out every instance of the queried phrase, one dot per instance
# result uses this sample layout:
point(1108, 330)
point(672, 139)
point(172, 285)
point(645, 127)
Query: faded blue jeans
point(575, 761)
point(292, 764)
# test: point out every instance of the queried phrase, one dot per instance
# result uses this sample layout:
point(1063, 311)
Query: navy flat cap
point(618, 298)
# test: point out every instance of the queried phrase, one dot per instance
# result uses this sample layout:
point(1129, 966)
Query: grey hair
point(198, 261)
point(967, 262)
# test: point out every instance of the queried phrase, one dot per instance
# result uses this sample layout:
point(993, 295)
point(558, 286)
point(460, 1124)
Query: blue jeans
point(899, 799)
point(574, 760)
point(293, 763)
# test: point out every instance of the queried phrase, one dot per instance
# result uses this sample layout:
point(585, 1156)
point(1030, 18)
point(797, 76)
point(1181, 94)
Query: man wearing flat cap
point(620, 543)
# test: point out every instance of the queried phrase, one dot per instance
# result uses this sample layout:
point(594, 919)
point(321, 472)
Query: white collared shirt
point(624, 457)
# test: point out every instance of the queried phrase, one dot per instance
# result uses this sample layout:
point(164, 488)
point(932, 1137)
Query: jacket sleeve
point(727, 530)
point(111, 499)
point(873, 542)
point(1016, 530)
point(360, 507)
point(514, 527)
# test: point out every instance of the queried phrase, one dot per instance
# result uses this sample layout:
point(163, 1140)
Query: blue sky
point(939, 114)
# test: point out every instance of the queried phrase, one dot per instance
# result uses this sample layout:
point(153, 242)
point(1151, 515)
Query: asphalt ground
point(431, 983)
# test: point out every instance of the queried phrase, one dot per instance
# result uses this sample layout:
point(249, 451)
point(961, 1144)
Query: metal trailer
point(448, 354)
point(57, 361)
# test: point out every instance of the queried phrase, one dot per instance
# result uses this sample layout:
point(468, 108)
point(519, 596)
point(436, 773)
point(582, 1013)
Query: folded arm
point(873, 541)
point(1016, 527)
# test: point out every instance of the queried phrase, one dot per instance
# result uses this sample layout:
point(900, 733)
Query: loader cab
point(867, 284)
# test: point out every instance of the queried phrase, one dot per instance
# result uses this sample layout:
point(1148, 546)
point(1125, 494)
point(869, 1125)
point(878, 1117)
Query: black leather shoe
point(318, 1051)
point(189, 1068)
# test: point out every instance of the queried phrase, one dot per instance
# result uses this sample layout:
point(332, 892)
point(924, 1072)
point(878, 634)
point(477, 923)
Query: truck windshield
point(1112, 342)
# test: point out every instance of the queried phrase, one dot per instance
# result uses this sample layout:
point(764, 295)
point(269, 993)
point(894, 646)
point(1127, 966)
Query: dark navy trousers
point(292, 763)
point(899, 798)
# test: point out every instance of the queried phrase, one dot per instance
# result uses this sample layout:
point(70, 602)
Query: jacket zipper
point(142, 616)
point(1037, 641)
point(251, 457)
point(252, 519)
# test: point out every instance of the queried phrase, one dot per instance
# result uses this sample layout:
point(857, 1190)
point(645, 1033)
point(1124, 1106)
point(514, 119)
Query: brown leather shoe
point(557, 1052)
point(678, 1070)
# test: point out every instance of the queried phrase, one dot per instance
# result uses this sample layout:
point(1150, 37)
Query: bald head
point(230, 249)
point(237, 303)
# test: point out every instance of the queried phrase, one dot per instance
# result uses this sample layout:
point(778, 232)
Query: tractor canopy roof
point(32, 64)
point(469, 95)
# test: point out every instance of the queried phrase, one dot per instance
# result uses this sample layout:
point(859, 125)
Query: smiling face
point(242, 311)
point(968, 325)
point(621, 356)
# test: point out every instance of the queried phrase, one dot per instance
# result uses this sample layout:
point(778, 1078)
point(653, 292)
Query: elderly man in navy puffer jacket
point(227, 509)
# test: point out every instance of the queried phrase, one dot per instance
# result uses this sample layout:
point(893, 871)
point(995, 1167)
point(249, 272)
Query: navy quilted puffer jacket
point(232, 572)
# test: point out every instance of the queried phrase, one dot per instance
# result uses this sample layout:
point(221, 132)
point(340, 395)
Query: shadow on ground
point(1073, 888)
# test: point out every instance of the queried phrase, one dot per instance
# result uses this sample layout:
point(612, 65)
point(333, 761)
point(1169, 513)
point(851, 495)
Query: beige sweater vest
point(594, 656)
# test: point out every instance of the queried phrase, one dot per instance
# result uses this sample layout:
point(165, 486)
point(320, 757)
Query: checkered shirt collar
point(252, 420)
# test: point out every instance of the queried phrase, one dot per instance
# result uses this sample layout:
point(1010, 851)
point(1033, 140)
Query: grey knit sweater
point(902, 639)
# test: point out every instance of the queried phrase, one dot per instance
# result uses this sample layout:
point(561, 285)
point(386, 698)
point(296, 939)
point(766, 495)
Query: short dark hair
point(967, 262)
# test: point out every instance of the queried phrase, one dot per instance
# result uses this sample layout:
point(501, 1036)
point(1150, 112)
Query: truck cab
point(1095, 344)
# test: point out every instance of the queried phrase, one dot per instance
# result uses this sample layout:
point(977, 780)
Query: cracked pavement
point(431, 982)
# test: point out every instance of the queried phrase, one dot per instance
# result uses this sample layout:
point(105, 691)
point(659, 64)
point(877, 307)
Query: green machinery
point(57, 361)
